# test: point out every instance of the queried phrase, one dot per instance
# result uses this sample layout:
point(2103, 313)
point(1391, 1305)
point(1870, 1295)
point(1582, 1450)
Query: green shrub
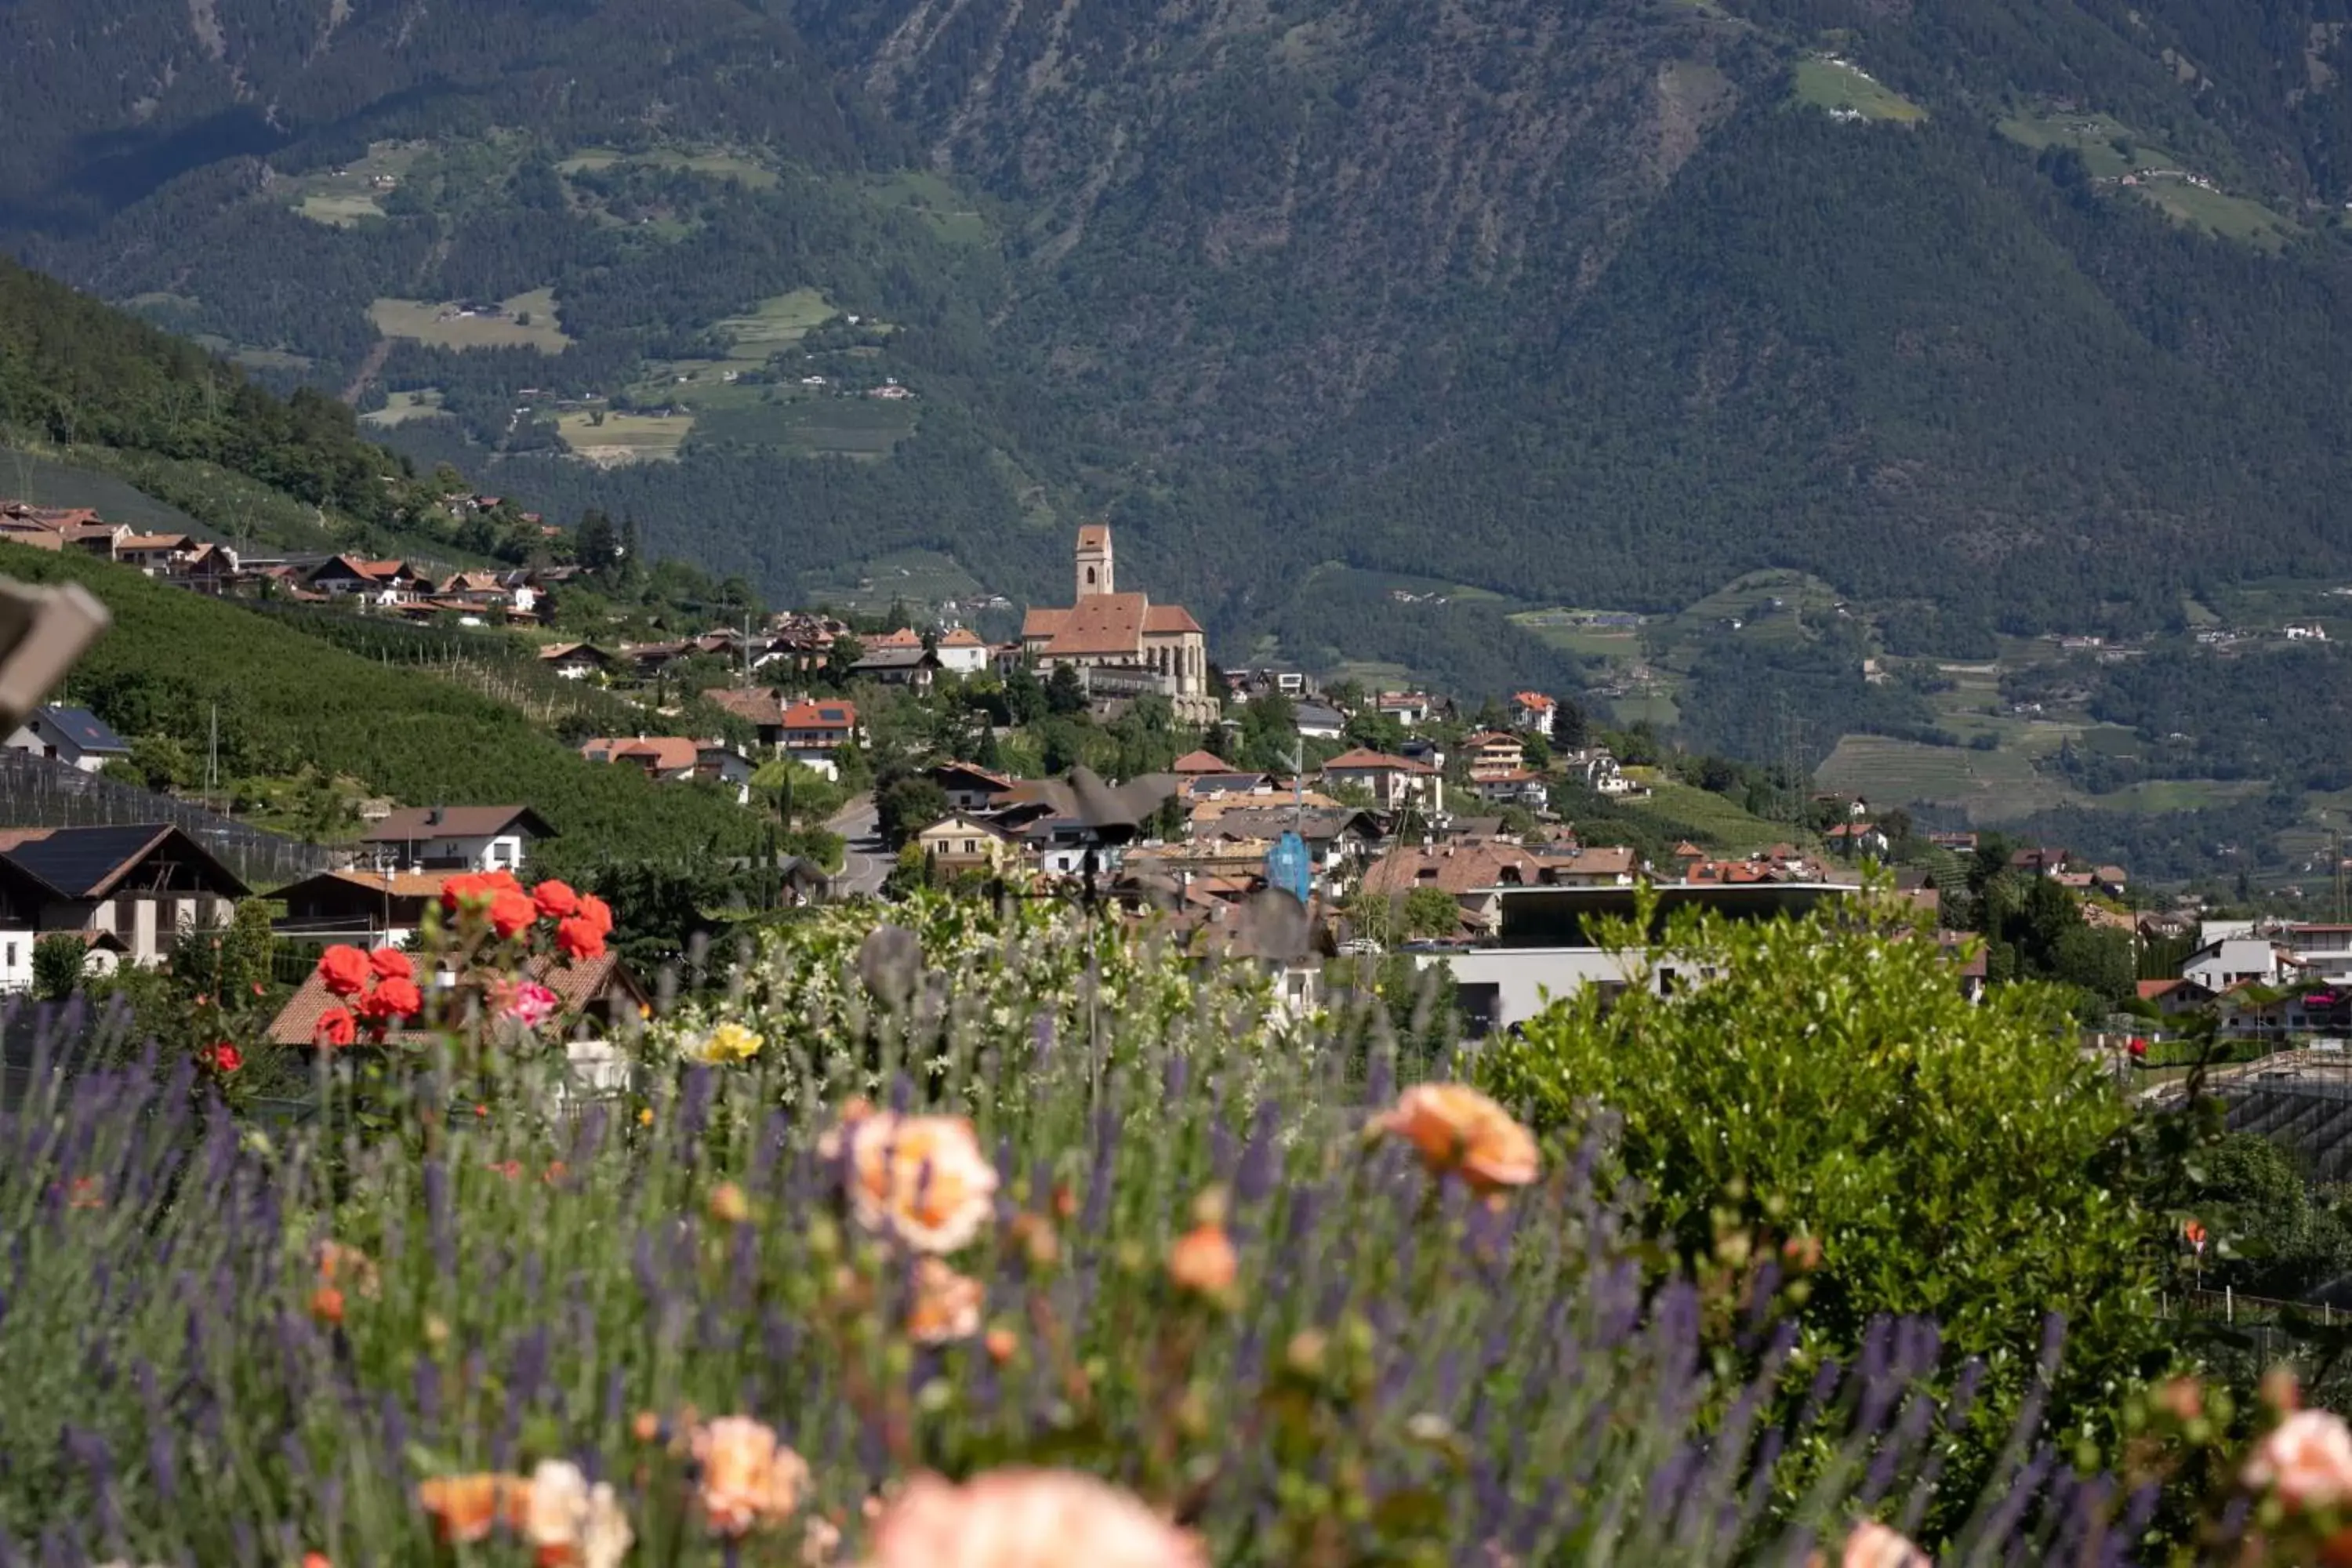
point(1829, 1080)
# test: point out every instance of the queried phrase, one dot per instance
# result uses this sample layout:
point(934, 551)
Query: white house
point(74, 736)
point(2233, 960)
point(961, 653)
point(1392, 781)
point(455, 838)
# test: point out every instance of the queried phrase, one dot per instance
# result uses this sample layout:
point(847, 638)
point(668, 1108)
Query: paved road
point(864, 862)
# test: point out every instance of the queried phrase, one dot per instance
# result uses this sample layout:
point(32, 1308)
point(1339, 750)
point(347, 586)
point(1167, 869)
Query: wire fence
point(37, 791)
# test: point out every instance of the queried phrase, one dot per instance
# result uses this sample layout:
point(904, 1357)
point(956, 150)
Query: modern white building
point(1546, 947)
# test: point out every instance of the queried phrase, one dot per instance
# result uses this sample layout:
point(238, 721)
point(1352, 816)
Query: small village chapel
point(1122, 643)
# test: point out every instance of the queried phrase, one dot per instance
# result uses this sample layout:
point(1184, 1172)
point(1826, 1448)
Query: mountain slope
point(1997, 314)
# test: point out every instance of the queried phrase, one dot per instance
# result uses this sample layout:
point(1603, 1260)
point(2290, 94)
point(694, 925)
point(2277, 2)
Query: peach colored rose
point(571, 1524)
point(466, 1507)
point(340, 1264)
point(2307, 1458)
point(749, 1478)
point(946, 1305)
point(1202, 1261)
point(1870, 1544)
point(1460, 1132)
point(1027, 1518)
point(921, 1177)
point(728, 1205)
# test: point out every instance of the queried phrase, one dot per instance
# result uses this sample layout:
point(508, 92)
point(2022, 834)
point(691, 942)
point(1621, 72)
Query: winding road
point(864, 860)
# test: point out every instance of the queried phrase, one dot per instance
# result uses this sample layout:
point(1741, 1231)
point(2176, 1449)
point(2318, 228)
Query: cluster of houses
point(2267, 980)
point(515, 596)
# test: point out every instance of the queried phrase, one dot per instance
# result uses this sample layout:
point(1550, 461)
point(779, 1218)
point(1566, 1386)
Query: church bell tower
point(1094, 560)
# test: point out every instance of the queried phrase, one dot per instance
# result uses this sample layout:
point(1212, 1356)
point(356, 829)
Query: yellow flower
point(728, 1043)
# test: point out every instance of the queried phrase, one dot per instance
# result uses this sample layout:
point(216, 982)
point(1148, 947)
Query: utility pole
point(212, 759)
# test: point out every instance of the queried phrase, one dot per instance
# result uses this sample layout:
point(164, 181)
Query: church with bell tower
point(1121, 644)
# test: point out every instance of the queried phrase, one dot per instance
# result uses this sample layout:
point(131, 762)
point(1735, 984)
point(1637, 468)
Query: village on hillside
point(1493, 838)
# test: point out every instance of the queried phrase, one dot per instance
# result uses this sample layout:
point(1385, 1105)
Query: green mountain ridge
point(1592, 303)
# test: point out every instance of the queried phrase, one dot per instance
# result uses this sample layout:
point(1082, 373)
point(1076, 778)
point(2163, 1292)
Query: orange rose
point(510, 912)
point(336, 1028)
point(391, 964)
point(1027, 1518)
point(579, 939)
point(597, 913)
point(466, 1507)
point(392, 999)
point(1202, 1261)
point(344, 970)
point(922, 1177)
point(946, 1305)
point(555, 899)
point(748, 1478)
point(1460, 1132)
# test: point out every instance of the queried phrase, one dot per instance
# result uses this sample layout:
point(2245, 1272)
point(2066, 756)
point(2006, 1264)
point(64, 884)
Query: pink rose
point(1027, 1518)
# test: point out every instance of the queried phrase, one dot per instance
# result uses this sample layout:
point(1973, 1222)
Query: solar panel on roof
point(75, 860)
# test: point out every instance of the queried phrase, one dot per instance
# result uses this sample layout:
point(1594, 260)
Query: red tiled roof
point(399, 884)
point(1201, 763)
point(903, 637)
point(1097, 625)
point(1168, 620)
point(1365, 760)
point(962, 637)
point(662, 753)
point(821, 716)
point(1535, 699)
point(2150, 990)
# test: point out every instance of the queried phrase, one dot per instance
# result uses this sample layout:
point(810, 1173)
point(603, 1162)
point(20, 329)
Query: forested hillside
point(1998, 316)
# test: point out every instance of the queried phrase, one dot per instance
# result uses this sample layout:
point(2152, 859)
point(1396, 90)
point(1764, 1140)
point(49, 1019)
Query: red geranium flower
point(579, 938)
point(336, 1028)
point(511, 912)
point(224, 1057)
point(597, 913)
point(392, 999)
point(344, 968)
point(391, 964)
point(555, 901)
